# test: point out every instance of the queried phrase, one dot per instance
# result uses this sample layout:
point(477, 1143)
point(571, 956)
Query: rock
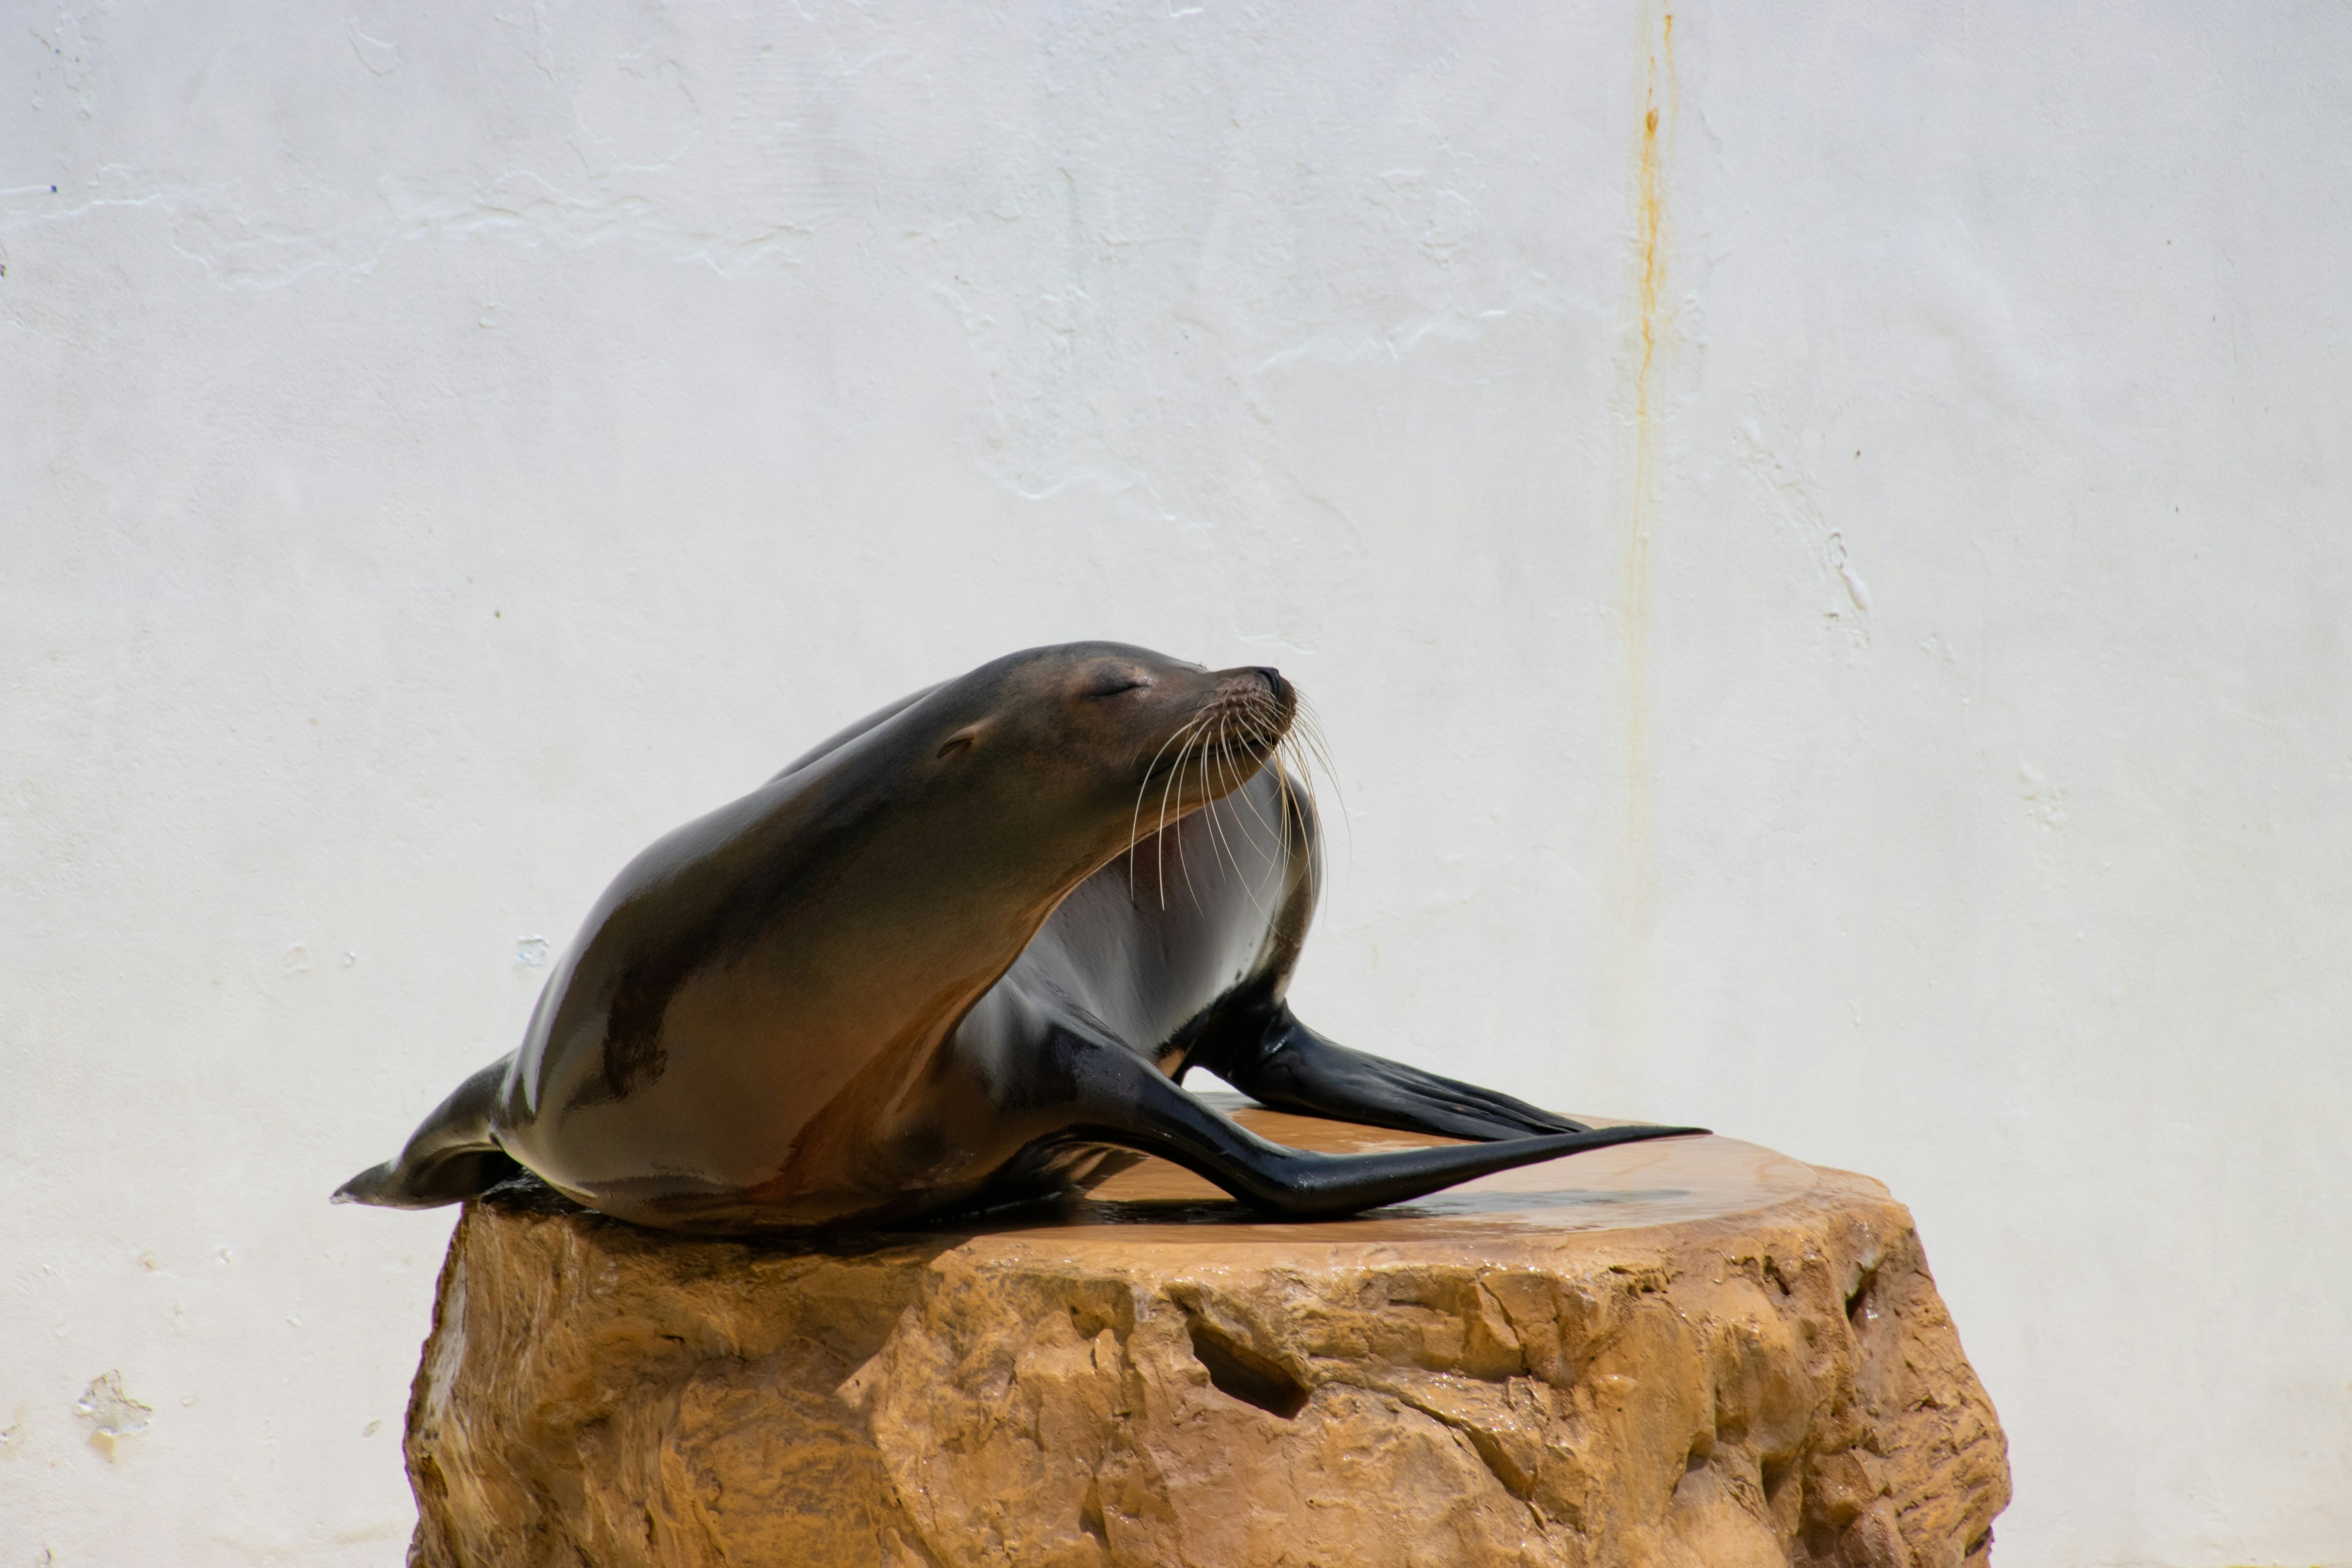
point(1694, 1352)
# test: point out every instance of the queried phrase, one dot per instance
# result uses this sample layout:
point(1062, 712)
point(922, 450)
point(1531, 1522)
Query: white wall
point(1831, 618)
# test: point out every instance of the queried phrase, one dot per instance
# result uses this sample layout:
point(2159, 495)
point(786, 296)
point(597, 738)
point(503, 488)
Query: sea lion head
point(1115, 740)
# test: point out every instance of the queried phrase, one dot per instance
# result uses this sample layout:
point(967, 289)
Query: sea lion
point(961, 954)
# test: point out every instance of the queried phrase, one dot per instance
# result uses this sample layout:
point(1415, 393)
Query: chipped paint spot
point(381, 56)
point(2045, 802)
point(1857, 592)
point(1794, 498)
point(112, 1413)
point(530, 951)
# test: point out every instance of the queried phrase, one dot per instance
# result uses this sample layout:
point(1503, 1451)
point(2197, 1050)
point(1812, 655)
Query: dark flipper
point(1125, 1101)
point(1275, 1060)
point(450, 1157)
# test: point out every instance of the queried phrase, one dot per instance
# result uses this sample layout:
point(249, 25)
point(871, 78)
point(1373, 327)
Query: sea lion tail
point(451, 1157)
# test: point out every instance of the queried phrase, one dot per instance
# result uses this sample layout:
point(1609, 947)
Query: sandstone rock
point(1686, 1352)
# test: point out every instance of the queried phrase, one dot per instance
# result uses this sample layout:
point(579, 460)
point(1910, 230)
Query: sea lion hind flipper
point(449, 1158)
point(1125, 1101)
point(1275, 1060)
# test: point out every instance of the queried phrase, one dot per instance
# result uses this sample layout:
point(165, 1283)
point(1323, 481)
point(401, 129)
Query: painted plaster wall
point(1830, 607)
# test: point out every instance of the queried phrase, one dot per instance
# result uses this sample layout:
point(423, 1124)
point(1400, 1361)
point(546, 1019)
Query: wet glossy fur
point(956, 955)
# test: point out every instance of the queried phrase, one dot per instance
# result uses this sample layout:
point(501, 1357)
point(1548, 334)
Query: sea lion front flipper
point(1124, 1101)
point(1280, 1062)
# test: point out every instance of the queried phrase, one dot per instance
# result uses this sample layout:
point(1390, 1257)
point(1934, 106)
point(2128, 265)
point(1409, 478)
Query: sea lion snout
point(1257, 701)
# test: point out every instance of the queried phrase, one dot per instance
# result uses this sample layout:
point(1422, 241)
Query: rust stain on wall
point(1651, 321)
point(1650, 189)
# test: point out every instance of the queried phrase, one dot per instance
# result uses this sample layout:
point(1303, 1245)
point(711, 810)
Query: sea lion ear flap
point(960, 741)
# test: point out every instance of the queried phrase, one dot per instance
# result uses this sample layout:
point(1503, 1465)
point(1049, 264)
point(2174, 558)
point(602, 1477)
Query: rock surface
point(1694, 1352)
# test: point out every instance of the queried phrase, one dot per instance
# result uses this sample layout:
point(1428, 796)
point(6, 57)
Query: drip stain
point(1651, 323)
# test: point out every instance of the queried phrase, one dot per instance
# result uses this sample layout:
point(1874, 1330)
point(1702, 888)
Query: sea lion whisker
point(1285, 808)
point(1285, 756)
point(1182, 732)
point(1249, 888)
point(1135, 822)
point(1312, 837)
point(1229, 776)
point(1308, 726)
point(1184, 860)
point(1224, 784)
point(1159, 832)
point(1230, 745)
point(1141, 790)
point(1297, 800)
point(1201, 768)
point(1213, 758)
point(1272, 841)
point(1304, 796)
point(1273, 831)
point(1275, 734)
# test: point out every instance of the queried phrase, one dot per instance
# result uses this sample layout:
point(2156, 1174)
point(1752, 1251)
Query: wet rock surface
point(1691, 1351)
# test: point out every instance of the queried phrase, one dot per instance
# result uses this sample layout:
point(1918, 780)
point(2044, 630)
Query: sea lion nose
point(1273, 677)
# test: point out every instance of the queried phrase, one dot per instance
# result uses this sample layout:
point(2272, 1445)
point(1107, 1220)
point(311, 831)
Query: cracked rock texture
point(1687, 1352)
